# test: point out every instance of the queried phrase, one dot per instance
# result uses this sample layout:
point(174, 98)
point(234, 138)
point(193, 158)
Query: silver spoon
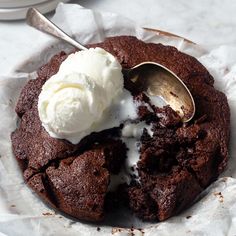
point(156, 79)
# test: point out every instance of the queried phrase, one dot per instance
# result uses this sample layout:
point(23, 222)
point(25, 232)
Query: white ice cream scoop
point(73, 101)
point(69, 105)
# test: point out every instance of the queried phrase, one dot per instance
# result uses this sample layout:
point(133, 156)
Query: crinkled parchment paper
point(23, 213)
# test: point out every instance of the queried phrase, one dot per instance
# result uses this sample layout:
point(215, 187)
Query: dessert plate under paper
point(16, 9)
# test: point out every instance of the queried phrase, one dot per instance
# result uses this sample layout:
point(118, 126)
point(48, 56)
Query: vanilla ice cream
point(74, 100)
point(98, 64)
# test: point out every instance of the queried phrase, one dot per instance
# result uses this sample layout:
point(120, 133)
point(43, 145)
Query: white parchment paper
point(23, 213)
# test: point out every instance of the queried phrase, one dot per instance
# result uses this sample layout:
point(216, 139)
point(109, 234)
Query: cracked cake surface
point(175, 164)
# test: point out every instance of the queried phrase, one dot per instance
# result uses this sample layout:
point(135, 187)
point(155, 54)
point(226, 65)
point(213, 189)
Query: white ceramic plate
point(19, 3)
point(16, 9)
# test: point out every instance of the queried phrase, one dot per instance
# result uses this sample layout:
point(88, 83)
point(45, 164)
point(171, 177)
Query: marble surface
point(211, 23)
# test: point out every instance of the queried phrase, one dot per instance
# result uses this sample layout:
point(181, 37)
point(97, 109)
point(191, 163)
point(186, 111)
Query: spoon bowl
point(155, 79)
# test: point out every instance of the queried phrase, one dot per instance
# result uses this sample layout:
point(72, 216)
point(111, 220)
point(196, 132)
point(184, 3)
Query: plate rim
point(11, 4)
point(11, 14)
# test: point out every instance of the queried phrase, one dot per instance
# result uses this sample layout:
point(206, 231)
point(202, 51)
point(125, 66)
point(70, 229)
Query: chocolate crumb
point(116, 230)
point(173, 94)
point(220, 196)
point(48, 214)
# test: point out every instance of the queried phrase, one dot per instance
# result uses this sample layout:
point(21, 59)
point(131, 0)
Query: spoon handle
point(35, 19)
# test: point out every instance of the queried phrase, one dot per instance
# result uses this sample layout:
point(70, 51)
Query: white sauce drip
point(157, 101)
point(122, 108)
point(130, 135)
point(125, 110)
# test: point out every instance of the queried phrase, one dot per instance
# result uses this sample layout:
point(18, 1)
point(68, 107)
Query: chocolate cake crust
point(175, 165)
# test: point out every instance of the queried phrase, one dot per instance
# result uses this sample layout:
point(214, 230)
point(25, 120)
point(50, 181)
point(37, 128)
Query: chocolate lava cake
point(175, 164)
